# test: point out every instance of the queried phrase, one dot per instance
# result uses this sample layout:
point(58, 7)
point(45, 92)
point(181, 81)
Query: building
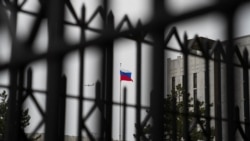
point(217, 81)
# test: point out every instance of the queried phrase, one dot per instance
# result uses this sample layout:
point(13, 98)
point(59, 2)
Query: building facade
point(217, 81)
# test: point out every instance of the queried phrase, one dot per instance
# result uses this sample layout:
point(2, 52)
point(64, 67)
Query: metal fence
point(53, 116)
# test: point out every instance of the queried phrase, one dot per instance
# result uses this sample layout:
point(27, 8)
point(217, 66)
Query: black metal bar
point(109, 77)
point(158, 74)
point(62, 106)
point(185, 50)
point(81, 76)
point(207, 93)
point(100, 105)
point(230, 76)
point(217, 96)
point(138, 85)
point(55, 16)
point(174, 115)
point(124, 114)
point(246, 93)
point(19, 96)
point(11, 128)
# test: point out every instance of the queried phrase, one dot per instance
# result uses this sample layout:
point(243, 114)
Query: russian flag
point(125, 75)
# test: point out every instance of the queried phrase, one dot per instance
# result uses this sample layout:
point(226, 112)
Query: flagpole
point(120, 107)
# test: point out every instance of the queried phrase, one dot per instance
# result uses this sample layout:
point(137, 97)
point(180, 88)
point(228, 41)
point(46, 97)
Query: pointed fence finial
point(110, 17)
point(83, 12)
point(139, 23)
point(245, 55)
point(110, 21)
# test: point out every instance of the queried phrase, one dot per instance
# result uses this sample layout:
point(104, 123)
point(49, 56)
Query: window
point(195, 80)
point(183, 80)
point(195, 95)
point(195, 87)
point(173, 83)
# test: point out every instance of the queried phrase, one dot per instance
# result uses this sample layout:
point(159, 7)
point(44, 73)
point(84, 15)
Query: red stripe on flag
point(125, 78)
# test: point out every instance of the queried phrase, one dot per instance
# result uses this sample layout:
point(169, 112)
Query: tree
point(25, 117)
point(174, 115)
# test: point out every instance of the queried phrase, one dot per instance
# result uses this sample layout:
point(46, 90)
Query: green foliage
point(174, 117)
point(3, 112)
point(174, 113)
point(25, 117)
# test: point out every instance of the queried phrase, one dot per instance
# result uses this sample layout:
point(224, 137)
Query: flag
point(125, 75)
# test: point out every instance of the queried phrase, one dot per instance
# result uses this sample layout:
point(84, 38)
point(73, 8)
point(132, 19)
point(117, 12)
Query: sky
point(211, 26)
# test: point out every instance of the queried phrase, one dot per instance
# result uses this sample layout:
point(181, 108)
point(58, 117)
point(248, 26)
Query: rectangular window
point(173, 83)
point(195, 80)
point(183, 80)
point(195, 95)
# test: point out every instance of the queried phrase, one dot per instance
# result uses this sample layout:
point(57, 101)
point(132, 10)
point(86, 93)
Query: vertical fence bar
point(124, 114)
point(246, 92)
point(103, 82)
point(217, 96)
point(62, 105)
point(230, 77)
point(207, 94)
point(138, 84)
point(174, 116)
point(185, 94)
point(100, 105)
point(81, 76)
point(108, 62)
point(158, 74)
point(55, 16)
point(11, 128)
point(20, 134)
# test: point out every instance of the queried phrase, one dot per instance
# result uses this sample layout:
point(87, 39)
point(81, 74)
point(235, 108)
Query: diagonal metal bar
point(39, 126)
point(22, 4)
point(91, 137)
point(35, 28)
point(124, 21)
point(171, 33)
point(92, 109)
point(29, 92)
point(100, 11)
point(238, 55)
point(72, 10)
